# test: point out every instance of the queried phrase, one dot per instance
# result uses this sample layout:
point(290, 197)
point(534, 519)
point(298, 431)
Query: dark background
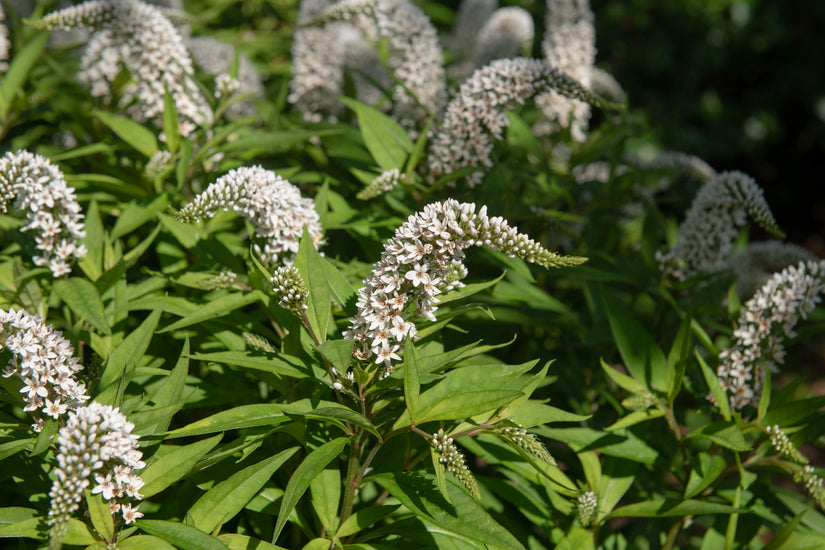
point(740, 84)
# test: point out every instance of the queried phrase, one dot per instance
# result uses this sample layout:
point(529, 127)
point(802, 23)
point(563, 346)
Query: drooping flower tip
point(271, 203)
point(422, 261)
point(706, 237)
point(477, 117)
point(96, 443)
point(453, 461)
point(136, 36)
point(764, 322)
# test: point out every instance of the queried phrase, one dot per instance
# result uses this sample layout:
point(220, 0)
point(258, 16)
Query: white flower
point(476, 116)
point(570, 46)
point(96, 442)
point(271, 203)
point(130, 514)
point(45, 361)
point(5, 46)
point(718, 212)
point(414, 55)
point(39, 189)
point(507, 33)
point(419, 263)
point(765, 321)
point(136, 36)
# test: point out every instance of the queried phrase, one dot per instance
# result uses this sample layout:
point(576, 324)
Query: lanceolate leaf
point(223, 501)
point(180, 535)
point(174, 465)
point(462, 516)
point(82, 297)
point(311, 466)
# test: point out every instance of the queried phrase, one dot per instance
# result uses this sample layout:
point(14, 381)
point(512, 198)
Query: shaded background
point(740, 84)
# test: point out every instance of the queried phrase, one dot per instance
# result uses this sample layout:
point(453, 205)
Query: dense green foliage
point(575, 405)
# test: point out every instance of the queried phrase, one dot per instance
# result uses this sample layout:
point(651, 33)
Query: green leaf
point(92, 262)
point(617, 477)
point(793, 413)
point(465, 405)
point(79, 534)
point(784, 533)
point(412, 383)
point(170, 123)
point(138, 136)
point(245, 416)
point(624, 381)
point(463, 516)
point(243, 542)
point(338, 353)
point(678, 356)
point(226, 499)
point(170, 392)
point(100, 515)
point(298, 483)
point(715, 388)
point(634, 418)
point(362, 519)
point(592, 469)
point(672, 508)
point(339, 286)
point(619, 443)
point(642, 357)
point(469, 290)
point(310, 265)
point(280, 363)
point(122, 361)
point(765, 398)
point(535, 413)
point(10, 448)
point(440, 473)
point(82, 298)
point(19, 68)
point(182, 536)
point(214, 309)
point(386, 140)
point(704, 471)
point(724, 434)
point(325, 491)
point(144, 542)
point(577, 538)
point(174, 465)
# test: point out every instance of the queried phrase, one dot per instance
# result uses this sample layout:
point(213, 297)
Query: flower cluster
point(136, 36)
point(414, 270)
point(687, 164)
point(766, 320)
point(586, 506)
point(519, 436)
point(469, 20)
point(414, 54)
point(570, 46)
point(507, 33)
point(45, 361)
point(755, 265)
point(271, 203)
point(783, 445)
point(224, 279)
point(719, 211)
point(453, 460)
point(216, 58)
point(52, 212)
point(4, 42)
point(290, 287)
point(95, 442)
point(383, 183)
point(476, 116)
point(318, 77)
point(814, 484)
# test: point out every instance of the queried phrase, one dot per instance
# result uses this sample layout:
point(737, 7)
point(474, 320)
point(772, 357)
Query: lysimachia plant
point(344, 276)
